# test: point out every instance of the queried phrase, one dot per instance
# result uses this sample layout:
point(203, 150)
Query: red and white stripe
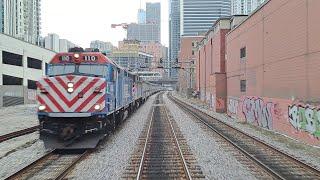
point(58, 99)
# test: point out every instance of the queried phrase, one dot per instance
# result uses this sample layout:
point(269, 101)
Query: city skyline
point(54, 21)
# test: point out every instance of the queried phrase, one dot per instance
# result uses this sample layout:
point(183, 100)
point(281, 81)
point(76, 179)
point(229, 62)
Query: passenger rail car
point(86, 93)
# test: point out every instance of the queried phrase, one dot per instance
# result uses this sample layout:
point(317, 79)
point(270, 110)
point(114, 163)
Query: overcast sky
point(82, 21)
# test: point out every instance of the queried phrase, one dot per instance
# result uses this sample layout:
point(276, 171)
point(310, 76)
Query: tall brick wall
point(281, 68)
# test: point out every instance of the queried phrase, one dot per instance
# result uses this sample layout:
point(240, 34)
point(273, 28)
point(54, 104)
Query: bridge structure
point(164, 81)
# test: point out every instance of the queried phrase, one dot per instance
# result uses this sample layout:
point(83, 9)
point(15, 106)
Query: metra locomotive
point(85, 93)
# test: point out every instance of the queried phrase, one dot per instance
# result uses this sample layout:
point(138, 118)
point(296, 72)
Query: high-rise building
point(65, 45)
point(244, 7)
point(148, 28)
point(105, 47)
point(141, 16)
point(198, 16)
point(143, 32)
point(153, 15)
point(52, 42)
point(174, 34)
point(1, 16)
point(21, 19)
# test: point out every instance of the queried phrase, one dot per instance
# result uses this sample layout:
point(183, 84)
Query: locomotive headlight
point(70, 90)
point(70, 85)
point(76, 56)
point(42, 107)
point(97, 107)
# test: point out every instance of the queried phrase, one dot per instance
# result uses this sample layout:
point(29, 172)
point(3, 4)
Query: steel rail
point(16, 174)
point(145, 147)
point(42, 159)
point(185, 106)
point(186, 169)
point(18, 133)
point(71, 166)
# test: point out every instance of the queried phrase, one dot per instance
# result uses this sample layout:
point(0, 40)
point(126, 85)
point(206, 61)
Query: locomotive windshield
point(82, 69)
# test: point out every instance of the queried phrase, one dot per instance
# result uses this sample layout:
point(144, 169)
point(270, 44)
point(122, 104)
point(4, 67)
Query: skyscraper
point(197, 16)
point(52, 42)
point(153, 15)
point(143, 32)
point(174, 34)
point(244, 7)
point(21, 19)
point(150, 30)
point(1, 16)
point(141, 16)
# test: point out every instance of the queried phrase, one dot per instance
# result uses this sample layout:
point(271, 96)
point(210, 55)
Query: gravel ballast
point(17, 118)
point(109, 161)
point(17, 153)
point(306, 153)
point(215, 161)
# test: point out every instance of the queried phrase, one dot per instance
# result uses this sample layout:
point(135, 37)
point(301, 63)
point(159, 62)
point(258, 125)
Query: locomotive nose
point(67, 133)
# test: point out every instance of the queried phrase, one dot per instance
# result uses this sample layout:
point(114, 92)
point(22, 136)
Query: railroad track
point(277, 163)
point(18, 133)
point(54, 165)
point(163, 153)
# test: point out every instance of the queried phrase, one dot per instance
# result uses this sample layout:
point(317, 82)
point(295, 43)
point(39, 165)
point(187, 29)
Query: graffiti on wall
point(305, 118)
point(256, 111)
point(216, 103)
point(220, 103)
point(233, 107)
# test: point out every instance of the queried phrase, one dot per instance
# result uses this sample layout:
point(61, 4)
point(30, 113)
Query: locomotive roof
point(81, 57)
point(84, 57)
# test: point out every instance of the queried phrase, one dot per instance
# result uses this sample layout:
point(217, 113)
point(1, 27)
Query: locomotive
point(86, 95)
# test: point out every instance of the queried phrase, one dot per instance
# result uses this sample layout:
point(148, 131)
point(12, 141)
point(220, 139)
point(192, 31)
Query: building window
point(192, 52)
point(243, 52)
point(243, 85)
point(32, 84)
point(46, 68)
point(11, 80)
point(34, 63)
point(11, 59)
point(192, 44)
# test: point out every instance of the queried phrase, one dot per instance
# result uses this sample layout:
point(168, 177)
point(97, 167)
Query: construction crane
point(123, 25)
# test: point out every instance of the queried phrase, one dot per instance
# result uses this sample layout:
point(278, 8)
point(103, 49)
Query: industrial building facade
point(271, 69)
point(20, 69)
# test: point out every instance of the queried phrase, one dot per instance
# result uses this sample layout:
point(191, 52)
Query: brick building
point(156, 49)
point(273, 60)
point(187, 58)
point(210, 65)
point(271, 65)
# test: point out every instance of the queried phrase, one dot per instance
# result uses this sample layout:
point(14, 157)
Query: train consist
point(84, 96)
